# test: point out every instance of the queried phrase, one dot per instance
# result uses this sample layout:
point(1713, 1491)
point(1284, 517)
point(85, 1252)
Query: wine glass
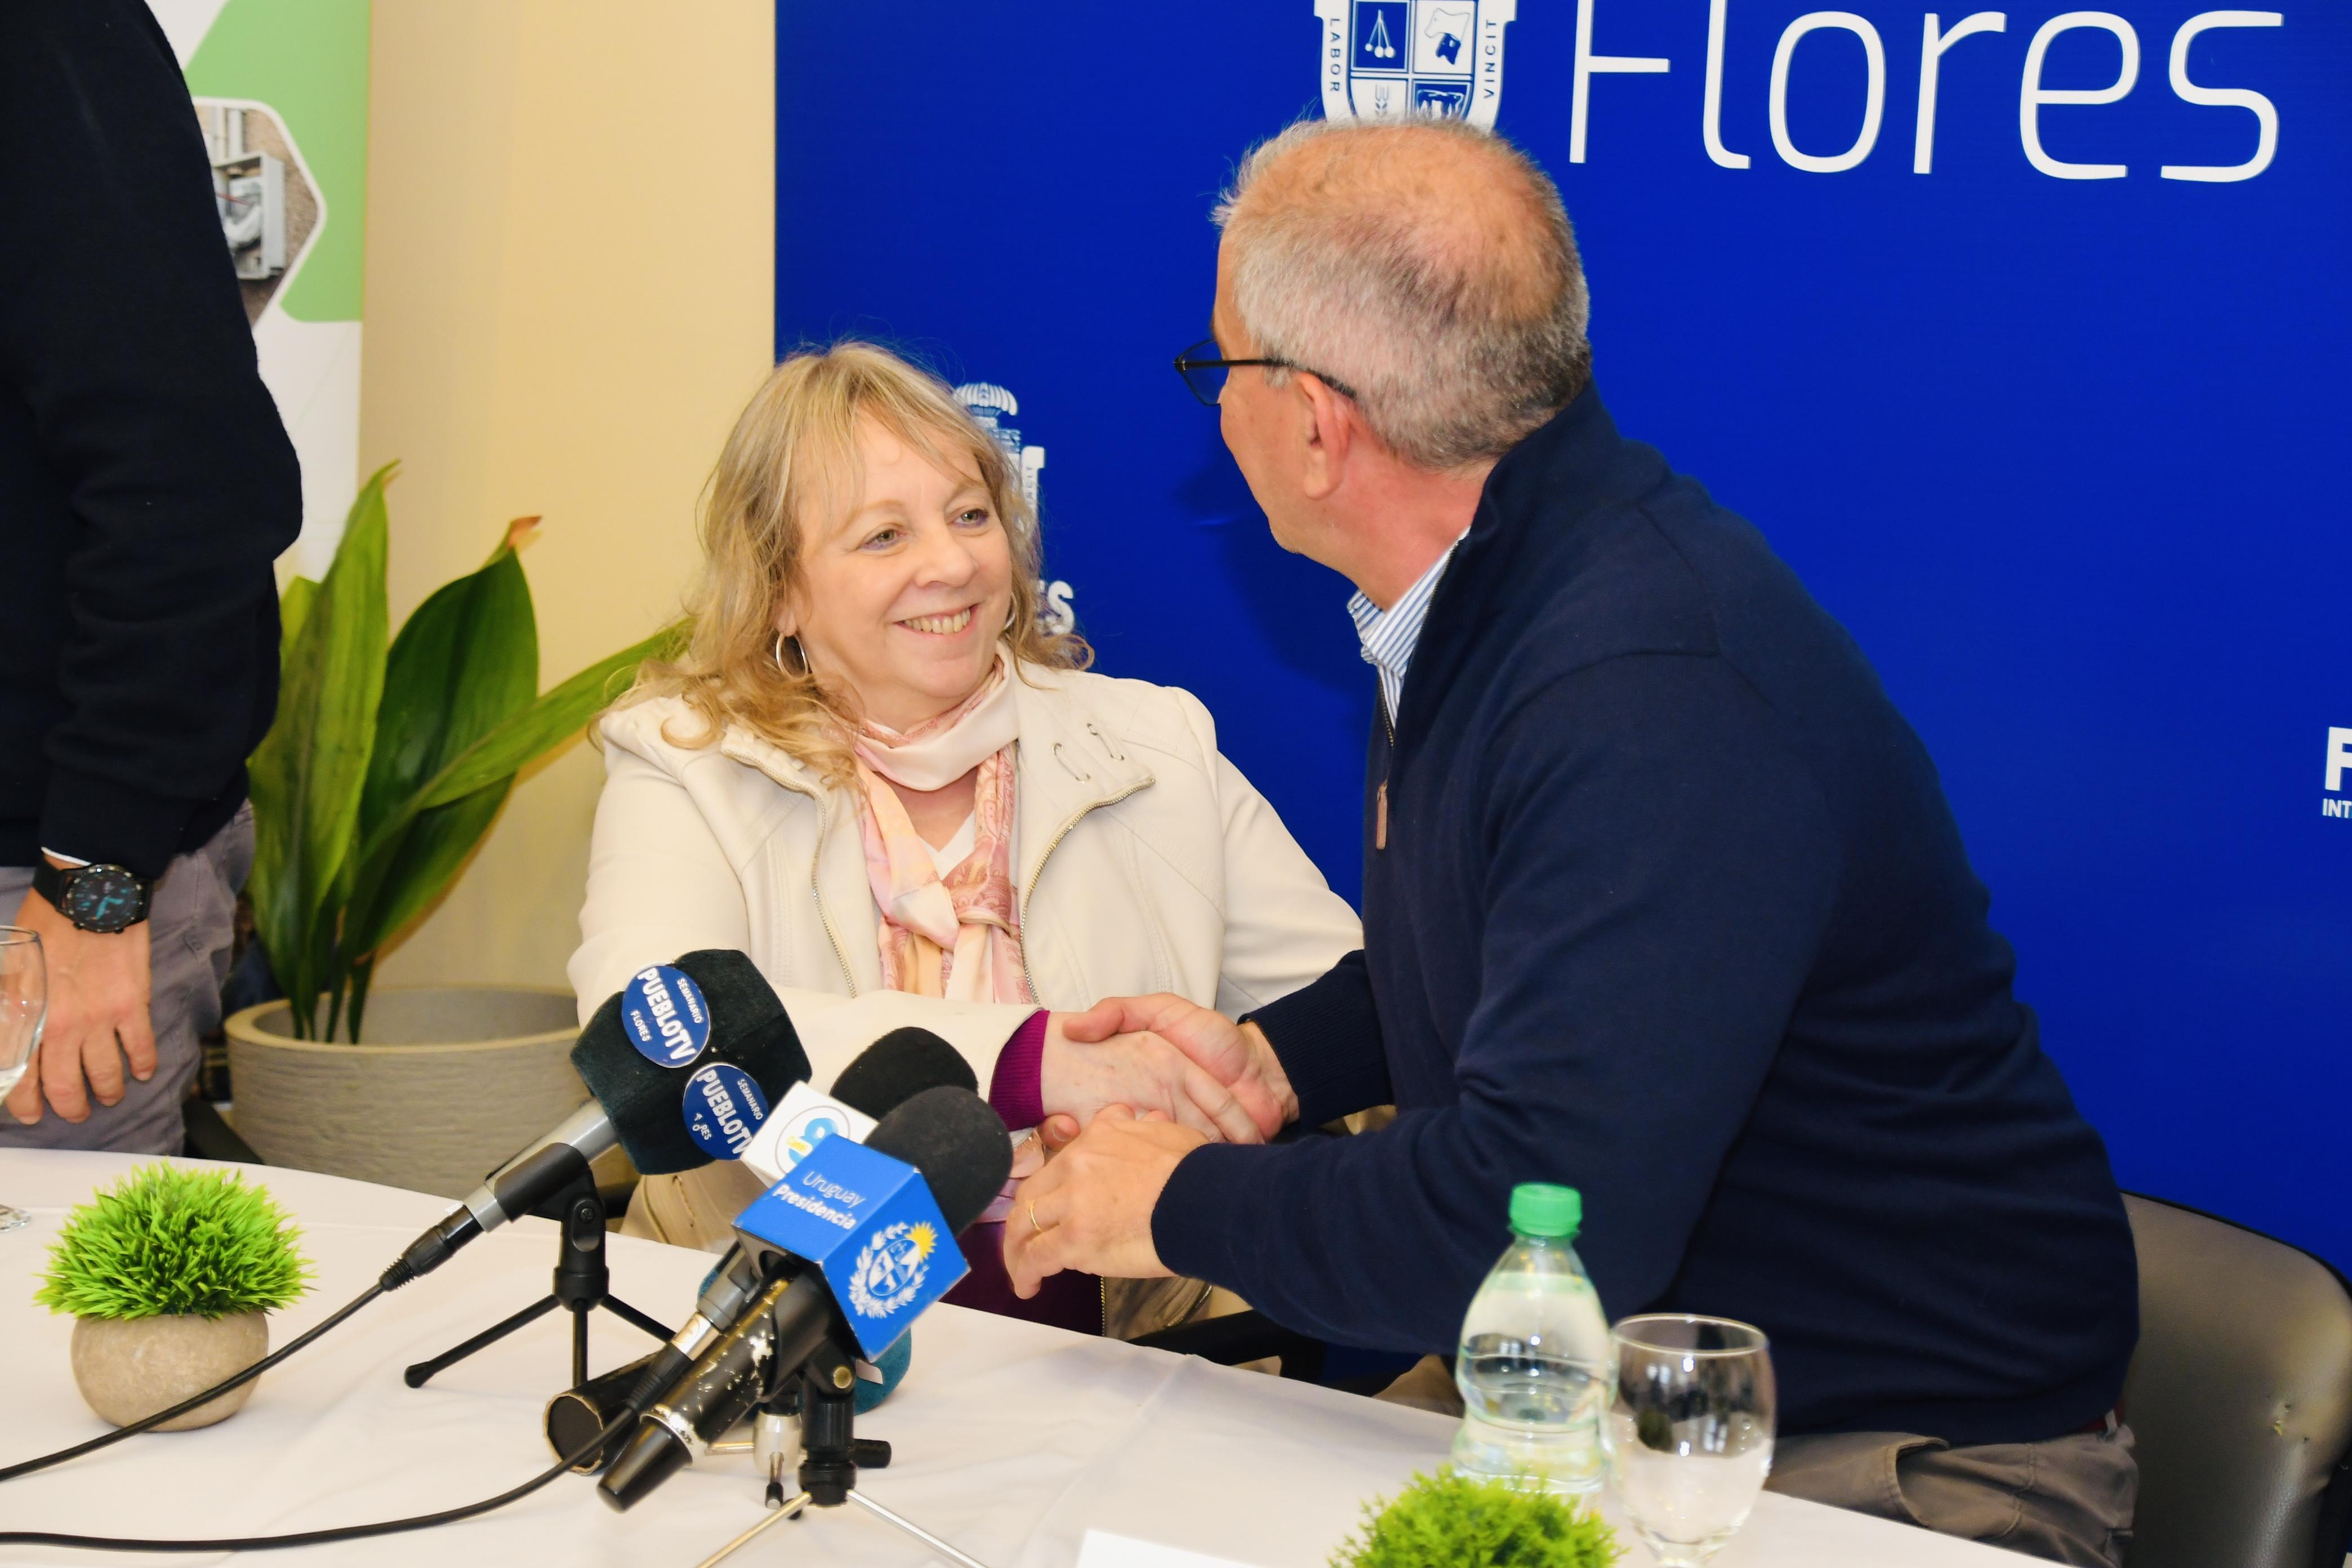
point(24, 1008)
point(1689, 1431)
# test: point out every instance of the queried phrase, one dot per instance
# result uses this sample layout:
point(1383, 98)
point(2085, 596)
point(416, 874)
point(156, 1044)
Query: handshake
point(1161, 1058)
point(1129, 1087)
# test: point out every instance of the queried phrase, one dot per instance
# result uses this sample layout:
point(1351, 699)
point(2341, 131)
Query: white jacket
point(1146, 863)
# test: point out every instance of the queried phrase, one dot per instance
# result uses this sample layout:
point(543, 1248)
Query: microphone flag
point(664, 1016)
point(869, 1224)
point(801, 1120)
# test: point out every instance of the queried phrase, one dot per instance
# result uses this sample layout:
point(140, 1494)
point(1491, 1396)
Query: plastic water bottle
point(1534, 1367)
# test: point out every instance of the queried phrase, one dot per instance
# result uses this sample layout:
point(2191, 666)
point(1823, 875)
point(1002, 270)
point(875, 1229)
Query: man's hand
point(1090, 1208)
point(98, 1016)
point(1079, 1075)
point(1236, 1056)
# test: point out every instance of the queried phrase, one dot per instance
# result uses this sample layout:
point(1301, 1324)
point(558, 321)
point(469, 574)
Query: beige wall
point(569, 275)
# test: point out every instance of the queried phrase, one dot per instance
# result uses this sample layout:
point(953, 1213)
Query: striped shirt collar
point(1388, 636)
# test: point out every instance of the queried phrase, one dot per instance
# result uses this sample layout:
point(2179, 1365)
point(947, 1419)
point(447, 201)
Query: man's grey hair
point(1456, 348)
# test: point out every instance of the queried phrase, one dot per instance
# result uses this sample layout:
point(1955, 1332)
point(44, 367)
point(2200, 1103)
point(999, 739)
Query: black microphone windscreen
point(577, 1414)
point(959, 1144)
point(747, 1030)
point(900, 1066)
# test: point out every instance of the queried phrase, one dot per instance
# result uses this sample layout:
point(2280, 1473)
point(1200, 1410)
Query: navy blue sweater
point(145, 482)
point(1673, 910)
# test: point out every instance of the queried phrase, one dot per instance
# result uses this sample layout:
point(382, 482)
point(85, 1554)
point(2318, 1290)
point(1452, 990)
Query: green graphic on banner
point(307, 61)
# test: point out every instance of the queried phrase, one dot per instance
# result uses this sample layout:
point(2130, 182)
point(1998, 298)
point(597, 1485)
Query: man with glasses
point(1662, 900)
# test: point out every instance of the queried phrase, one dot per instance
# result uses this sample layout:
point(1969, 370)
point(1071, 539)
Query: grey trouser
point(190, 926)
point(2069, 1500)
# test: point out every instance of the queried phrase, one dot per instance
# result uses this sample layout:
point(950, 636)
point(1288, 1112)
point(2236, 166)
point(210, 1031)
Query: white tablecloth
point(1011, 1440)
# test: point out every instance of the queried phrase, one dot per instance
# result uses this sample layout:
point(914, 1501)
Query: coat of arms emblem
point(889, 1269)
point(1388, 59)
point(996, 408)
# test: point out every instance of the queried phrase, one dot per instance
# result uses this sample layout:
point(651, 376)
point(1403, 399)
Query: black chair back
point(2240, 1397)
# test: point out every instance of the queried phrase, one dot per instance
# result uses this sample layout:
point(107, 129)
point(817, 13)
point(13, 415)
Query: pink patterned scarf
point(957, 936)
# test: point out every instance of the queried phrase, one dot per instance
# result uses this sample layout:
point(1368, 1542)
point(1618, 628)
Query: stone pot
point(452, 1081)
point(129, 1368)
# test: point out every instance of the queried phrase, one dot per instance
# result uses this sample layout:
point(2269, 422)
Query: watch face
point(102, 898)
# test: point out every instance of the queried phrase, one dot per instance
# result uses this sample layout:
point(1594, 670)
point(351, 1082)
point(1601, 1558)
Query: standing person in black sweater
point(146, 485)
point(1662, 900)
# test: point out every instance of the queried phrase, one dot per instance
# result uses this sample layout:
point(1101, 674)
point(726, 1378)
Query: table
point(1011, 1441)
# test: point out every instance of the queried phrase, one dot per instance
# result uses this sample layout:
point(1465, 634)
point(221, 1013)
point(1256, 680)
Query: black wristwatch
point(103, 899)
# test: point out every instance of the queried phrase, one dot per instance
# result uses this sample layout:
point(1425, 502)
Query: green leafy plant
point(167, 1239)
point(387, 766)
point(1448, 1520)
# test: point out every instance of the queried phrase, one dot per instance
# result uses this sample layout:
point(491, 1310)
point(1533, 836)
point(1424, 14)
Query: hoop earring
point(784, 668)
point(1012, 614)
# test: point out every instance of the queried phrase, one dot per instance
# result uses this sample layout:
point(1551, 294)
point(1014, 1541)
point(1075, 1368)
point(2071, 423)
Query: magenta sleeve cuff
point(1017, 1088)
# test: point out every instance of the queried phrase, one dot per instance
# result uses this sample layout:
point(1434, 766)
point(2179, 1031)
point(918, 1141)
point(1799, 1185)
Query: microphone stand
point(582, 1285)
point(825, 1394)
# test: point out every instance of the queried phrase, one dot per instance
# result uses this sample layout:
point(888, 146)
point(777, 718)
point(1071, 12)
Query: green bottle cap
point(1539, 1208)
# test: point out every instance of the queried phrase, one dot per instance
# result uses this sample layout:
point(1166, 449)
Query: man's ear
point(1328, 422)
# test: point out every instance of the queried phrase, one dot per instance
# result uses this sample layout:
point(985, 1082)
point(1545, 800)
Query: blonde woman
point(876, 773)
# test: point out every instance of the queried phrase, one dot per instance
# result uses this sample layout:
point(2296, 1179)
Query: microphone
point(580, 1413)
point(886, 1075)
point(873, 1242)
point(898, 1067)
point(683, 1063)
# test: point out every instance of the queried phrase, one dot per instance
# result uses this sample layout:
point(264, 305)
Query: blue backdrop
point(2055, 427)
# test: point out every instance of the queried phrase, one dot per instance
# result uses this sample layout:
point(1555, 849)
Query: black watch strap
point(96, 897)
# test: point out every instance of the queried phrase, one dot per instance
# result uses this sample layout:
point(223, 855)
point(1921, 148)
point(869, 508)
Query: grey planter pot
point(128, 1369)
point(453, 1079)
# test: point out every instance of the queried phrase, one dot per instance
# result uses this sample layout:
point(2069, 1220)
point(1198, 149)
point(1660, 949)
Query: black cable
point(28, 1467)
point(340, 1532)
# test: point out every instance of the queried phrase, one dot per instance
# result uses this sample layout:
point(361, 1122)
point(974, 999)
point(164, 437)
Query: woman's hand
point(1236, 1057)
point(1081, 1073)
point(1090, 1208)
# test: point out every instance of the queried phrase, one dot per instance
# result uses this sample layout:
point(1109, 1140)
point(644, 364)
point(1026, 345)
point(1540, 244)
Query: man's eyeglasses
point(1204, 372)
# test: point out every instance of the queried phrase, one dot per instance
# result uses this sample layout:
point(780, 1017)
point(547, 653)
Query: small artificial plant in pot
point(389, 759)
point(168, 1275)
point(1451, 1519)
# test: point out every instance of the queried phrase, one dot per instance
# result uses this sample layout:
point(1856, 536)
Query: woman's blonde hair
point(790, 469)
